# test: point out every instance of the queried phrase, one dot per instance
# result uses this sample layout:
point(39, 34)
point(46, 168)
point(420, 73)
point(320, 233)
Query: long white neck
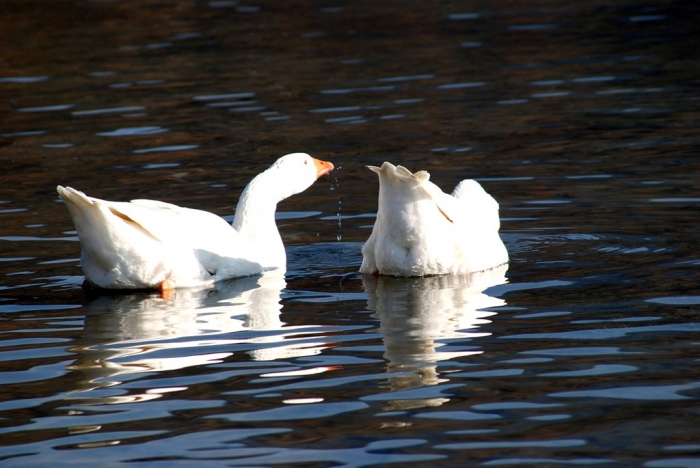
point(255, 221)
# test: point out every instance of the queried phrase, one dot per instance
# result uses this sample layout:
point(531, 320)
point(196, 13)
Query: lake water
point(580, 118)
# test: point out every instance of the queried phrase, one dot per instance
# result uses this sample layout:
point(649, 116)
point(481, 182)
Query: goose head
point(294, 173)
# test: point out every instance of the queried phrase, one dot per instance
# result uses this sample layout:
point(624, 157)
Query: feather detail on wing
point(175, 225)
point(210, 237)
point(445, 203)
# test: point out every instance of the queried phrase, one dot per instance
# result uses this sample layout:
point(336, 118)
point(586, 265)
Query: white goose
point(147, 244)
point(420, 230)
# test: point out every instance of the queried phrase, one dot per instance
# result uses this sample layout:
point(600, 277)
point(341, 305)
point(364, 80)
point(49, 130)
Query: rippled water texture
point(581, 118)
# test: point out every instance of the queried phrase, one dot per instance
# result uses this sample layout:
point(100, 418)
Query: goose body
point(420, 230)
point(147, 244)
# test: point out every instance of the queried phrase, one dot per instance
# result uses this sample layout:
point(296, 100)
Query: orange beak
point(322, 167)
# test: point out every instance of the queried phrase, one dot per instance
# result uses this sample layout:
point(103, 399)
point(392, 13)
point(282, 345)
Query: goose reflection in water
point(128, 334)
point(419, 315)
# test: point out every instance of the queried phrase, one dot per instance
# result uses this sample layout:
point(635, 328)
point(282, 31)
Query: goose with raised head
point(147, 244)
point(420, 230)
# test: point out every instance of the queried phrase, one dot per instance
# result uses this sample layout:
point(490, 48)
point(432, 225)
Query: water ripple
point(54, 108)
point(133, 131)
point(110, 110)
point(23, 79)
point(607, 333)
point(561, 443)
point(293, 413)
point(643, 393)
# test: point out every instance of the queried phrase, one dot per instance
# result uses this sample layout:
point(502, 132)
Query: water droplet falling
point(339, 237)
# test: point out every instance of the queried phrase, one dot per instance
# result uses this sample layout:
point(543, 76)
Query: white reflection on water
point(421, 315)
point(130, 334)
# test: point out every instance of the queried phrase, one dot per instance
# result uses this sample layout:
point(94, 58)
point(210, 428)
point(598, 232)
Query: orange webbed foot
point(166, 288)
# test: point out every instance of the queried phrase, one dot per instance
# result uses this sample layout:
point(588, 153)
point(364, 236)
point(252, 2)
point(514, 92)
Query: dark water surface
point(581, 118)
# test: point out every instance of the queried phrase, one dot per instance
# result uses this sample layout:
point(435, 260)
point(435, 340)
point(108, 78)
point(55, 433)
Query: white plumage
point(420, 230)
point(145, 244)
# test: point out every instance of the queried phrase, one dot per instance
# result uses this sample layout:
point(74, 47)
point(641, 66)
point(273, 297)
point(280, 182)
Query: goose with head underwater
point(147, 244)
point(420, 230)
